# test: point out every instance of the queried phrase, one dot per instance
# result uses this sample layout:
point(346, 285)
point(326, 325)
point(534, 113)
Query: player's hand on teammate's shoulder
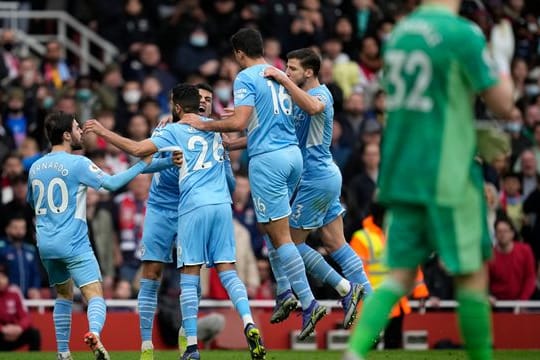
point(93, 126)
point(178, 158)
point(192, 120)
point(164, 120)
point(274, 73)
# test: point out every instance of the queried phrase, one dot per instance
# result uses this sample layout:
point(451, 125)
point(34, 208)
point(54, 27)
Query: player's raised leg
point(317, 267)
point(285, 300)
point(96, 314)
point(342, 253)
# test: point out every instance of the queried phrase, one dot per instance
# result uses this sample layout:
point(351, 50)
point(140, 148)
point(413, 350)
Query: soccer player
point(57, 191)
point(275, 162)
point(316, 203)
point(435, 62)
point(205, 228)
point(159, 236)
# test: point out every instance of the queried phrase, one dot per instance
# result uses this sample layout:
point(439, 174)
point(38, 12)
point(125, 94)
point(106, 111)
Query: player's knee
point(225, 267)
point(152, 270)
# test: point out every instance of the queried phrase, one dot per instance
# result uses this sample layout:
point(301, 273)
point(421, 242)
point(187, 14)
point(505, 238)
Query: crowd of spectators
point(165, 42)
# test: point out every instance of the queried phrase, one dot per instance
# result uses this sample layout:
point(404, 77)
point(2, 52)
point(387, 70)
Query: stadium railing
point(516, 306)
point(10, 15)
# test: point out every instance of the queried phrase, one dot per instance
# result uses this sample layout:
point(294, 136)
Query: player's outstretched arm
point(306, 102)
point(135, 148)
point(159, 163)
point(115, 182)
point(236, 122)
point(499, 98)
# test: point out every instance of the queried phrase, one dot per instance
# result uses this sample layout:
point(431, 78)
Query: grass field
point(283, 355)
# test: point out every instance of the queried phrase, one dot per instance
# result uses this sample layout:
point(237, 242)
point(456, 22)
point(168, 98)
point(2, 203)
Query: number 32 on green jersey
point(405, 94)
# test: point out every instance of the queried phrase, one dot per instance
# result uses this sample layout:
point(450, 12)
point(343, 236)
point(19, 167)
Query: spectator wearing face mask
point(14, 117)
point(128, 105)
point(223, 96)
point(9, 67)
point(196, 56)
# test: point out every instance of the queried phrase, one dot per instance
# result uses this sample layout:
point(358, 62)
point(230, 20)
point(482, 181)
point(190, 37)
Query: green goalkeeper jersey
point(434, 64)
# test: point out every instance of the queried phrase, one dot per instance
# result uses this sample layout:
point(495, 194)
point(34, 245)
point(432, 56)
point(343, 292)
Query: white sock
point(191, 340)
point(343, 287)
point(147, 344)
point(247, 319)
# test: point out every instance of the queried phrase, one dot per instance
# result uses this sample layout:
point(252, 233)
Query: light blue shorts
point(273, 177)
point(206, 236)
point(159, 234)
point(316, 202)
point(84, 269)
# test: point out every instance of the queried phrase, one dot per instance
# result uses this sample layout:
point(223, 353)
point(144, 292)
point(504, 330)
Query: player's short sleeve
point(243, 89)
point(323, 97)
point(164, 138)
point(89, 173)
point(476, 60)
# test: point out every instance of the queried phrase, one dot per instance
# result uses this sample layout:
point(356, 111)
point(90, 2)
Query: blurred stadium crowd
point(166, 42)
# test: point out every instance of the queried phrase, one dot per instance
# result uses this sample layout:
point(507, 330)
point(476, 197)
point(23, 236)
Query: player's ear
point(66, 136)
point(308, 73)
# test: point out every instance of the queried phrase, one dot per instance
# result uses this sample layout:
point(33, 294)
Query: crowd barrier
point(516, 326)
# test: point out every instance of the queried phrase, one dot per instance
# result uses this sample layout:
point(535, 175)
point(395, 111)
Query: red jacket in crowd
point(512, 276)
point(12, 310)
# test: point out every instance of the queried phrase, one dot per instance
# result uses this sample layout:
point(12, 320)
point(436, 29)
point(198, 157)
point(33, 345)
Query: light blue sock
point(62, 323)
point(282, 283)
point(237, 293)
point(318, 267)
point(96, 313)
point(189, 303)
point(296, 273)
point(352, 266)
point(146, 304)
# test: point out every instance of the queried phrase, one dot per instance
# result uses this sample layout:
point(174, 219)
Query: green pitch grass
point(283, 355)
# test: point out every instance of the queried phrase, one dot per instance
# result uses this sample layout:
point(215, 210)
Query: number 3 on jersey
point(37, 185)
point(404, 93)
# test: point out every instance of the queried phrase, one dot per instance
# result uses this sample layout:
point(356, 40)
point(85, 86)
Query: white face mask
point(224, 94)
point(131, 96)
point(198, 40)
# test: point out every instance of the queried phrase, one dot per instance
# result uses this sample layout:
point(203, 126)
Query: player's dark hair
point(56, 124)
point(308, 58)
point(249, 41)
point(205, 86)
point(187, 96)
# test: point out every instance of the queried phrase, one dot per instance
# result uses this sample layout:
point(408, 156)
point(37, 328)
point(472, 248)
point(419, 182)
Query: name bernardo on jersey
point(52, 165)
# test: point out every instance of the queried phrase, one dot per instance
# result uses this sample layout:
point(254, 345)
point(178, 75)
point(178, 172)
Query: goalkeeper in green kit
point(435, 62)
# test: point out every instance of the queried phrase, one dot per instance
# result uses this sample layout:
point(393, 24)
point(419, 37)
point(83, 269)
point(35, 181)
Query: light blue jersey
point(315, 135)
point(57, 186)
point(164, 191)
point(202, 176)
point(317, 201)
point(271, 125)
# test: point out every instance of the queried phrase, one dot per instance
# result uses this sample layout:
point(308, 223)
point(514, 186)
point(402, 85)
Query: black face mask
point(14, 109)
point(17, 238)
point(8, 46)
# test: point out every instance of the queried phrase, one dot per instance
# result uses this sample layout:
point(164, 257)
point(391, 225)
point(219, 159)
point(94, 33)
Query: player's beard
point(76, 145)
